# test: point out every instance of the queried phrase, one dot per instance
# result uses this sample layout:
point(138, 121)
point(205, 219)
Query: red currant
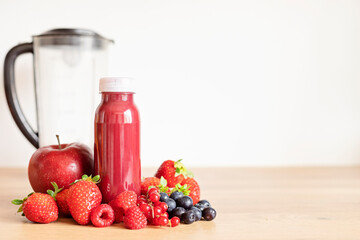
point(157, 204)
point(141, 199)
point(162, 221)
point(154, 197)
point(146, 209)
point(174, 221)
point(153, 190)
point(163, 206)
point(157, 211)
point(151, 220)
point(165, 214)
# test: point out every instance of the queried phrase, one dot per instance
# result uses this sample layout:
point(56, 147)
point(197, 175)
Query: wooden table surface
point(251, 203)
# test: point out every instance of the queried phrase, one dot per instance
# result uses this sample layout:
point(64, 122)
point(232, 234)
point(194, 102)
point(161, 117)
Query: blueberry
point(205, 203)
point(188, 217)
point(171, 204)
point(177, 212)
point(197, 212)
point(176, 195)
point(163, 197)
point(200, 206)
point(185, 202)
point(209, 213)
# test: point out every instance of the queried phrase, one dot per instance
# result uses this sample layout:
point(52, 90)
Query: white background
point(220, 82)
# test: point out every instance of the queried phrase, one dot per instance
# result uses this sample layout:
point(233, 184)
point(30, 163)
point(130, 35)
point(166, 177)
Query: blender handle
point(10, 92)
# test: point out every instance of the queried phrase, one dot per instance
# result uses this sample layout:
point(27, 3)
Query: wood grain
point(252, 203)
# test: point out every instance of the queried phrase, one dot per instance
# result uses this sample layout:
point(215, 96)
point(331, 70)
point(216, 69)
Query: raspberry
point(150, 181)
point(125, 200)
point(102, 216)
point(134, 218)
point(119, 213)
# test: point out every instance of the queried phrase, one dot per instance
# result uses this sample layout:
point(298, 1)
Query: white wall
point(220, 82)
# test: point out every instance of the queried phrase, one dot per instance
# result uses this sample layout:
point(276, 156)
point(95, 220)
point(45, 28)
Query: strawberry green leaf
point(17, 201)
point(163, 185)
point(189, 174)
point(84, 177)
point(50, 192)
point(184, 189)
point(20, 208)
point(74, 182)
point(96, 179)
point(55, 186)
point(54, 193)
point(163, 181)
point(181, 169)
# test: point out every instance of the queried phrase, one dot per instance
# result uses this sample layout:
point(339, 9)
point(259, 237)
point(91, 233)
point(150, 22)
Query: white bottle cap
point(116, 84)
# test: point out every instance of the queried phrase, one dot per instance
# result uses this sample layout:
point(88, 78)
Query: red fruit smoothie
point(117, 144)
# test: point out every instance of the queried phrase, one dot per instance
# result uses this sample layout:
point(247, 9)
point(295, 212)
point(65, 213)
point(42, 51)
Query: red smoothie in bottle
point(117, 139)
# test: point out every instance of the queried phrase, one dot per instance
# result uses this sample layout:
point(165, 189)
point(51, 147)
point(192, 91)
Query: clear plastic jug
point(67, 66)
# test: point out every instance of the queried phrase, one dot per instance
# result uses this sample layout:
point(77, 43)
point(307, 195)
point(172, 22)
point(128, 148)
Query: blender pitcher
point(67, 66)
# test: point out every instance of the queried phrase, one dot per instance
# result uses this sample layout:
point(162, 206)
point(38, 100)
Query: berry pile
point(155, 210)
point(171, 197)
point(182, 207)
point(178, 189)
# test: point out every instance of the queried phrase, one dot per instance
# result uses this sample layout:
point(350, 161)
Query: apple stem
point(58, 138)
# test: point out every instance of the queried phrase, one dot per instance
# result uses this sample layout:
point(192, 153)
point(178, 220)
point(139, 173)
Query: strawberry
point(134, 218)
point(194, 189)
point(61, 202)
point(148, 182)
point(173, 172)
point(38, 207)
point(83, 197)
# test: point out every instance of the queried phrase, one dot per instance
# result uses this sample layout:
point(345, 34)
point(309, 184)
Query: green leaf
point(17, 201)
point(30, 194)
point(84, 177)
point(55, 186)
point(20, 208)
point(189, 174)
point(51, 193)
point(96, 178)
point(184, 189)
point(163, 182)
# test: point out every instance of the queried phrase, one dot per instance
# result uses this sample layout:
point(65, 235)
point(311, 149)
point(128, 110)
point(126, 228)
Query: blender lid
point(71, 32)
point(71, 36)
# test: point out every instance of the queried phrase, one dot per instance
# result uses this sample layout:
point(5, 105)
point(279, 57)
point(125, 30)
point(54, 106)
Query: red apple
point(62, 163)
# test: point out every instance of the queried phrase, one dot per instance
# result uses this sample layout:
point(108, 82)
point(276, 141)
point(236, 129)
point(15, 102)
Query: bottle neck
point(126, 97)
